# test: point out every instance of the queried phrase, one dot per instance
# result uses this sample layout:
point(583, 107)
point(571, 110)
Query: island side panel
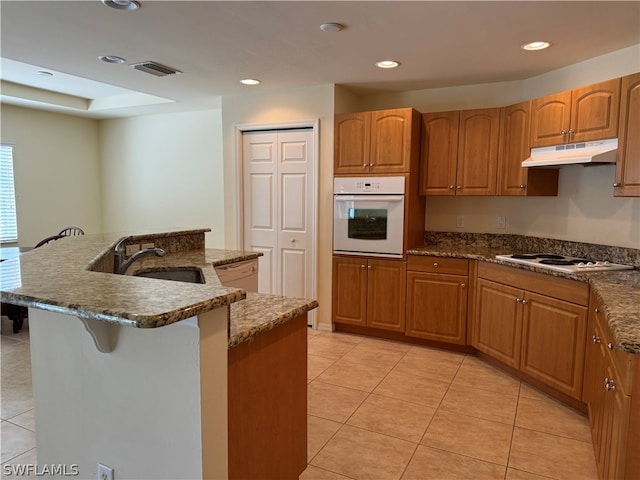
point(213, 392)
point(268, 404)
point(135, 409)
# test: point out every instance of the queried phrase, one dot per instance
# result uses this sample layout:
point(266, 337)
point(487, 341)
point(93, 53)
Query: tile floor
point(385, 410)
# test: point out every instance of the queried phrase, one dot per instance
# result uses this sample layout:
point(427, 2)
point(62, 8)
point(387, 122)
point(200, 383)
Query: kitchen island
point(112, 387)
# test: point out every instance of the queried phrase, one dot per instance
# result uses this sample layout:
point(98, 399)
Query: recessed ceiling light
point(250, 81)
point(122, 4)
point(331, 27)
point(387, 64)
point(535, 46)
point(44, 73)
point(112, 59)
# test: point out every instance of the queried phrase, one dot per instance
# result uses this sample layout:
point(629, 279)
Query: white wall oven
point(368, 216)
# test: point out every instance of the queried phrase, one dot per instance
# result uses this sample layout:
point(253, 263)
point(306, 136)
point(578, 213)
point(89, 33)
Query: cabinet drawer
point(433, 264)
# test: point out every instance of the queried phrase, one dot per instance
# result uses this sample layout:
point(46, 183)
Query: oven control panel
point(368, 185)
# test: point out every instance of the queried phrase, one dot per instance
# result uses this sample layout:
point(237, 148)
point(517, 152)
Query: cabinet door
point(478, 152)
point(498, 324)
point(437, 307)
point(391, 141)
point(349, 299)
point(594, 111)
point(553, 342)
point(550, 116)
point(627, 182)
point(352, 140)
point(595, 367)
point(439, 156)
point(514, 149)
point(386, 295)
point(615, 423)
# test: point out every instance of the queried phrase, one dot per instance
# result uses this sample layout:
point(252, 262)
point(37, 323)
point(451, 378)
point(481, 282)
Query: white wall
point(584, 210)
point(57, 172)
point(279, 107)
point(164, 172)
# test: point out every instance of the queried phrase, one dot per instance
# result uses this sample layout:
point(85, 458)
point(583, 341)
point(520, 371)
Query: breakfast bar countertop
point(618, 291)
point(74, 276)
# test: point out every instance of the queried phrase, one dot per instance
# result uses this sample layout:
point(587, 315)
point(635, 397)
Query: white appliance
point(368, 216)
point(562, 263)
point(240, 275)
point(585, 153)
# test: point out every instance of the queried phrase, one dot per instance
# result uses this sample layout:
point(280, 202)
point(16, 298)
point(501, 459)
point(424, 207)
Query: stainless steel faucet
point(121, 265)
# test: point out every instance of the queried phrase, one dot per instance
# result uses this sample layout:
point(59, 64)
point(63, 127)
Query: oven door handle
point(369, 198)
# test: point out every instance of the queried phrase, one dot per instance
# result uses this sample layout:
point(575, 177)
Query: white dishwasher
point(240, 275)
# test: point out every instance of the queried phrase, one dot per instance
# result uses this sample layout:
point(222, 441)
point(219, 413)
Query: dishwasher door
point(240, 275)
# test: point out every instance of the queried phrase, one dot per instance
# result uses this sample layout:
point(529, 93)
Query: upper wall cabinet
point(514, 149)
point(460, 152)
point(377, 142)
point(580, 115)
point(627, 183)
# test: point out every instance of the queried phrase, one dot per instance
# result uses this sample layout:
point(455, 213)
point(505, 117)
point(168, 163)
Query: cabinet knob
point(463, 285)
point(435, 264)
point(610, 385)
point(362, 266)
point(524, 302)
point(611, 346)
point(293, 240)
point(458, 187)
point(617, 185)
point(365, 165)
point(595, 339)
point(563, 132)
point(521, 300)
point(518, 300)
point(596, 310)
point(571, 132)
point(451, 187)
point(369, 267)
point(523, 186)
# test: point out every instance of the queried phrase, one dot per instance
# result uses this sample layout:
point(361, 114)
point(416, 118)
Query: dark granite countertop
point(618, 291)
point(74, 276)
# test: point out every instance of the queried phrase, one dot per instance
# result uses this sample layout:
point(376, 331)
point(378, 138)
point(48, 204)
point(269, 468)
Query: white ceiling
point(215, 44)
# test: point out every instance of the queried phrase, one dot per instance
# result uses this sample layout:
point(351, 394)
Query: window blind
point(8, 223)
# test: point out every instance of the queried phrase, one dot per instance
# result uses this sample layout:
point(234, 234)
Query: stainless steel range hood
point(585, 153)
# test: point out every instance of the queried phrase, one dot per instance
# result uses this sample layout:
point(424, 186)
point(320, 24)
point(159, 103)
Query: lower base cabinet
point(534, 323)
point(608, 382)
point(369, 292)
point(437, 299)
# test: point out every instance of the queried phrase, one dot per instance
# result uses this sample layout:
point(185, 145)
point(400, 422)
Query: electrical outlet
point(144, 246)
point(131, 249)
point(104, 472)
point(460, 221)
point(501, 222)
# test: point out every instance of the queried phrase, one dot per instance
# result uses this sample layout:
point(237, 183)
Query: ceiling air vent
point(155, 69)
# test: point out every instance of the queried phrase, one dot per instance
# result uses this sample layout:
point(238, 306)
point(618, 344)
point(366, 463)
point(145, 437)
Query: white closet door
point(279, 209)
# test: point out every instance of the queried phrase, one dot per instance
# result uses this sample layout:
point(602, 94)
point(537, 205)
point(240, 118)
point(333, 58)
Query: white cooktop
point(562, 263)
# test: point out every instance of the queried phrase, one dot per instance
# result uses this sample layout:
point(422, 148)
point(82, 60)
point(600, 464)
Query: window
point(8, 223)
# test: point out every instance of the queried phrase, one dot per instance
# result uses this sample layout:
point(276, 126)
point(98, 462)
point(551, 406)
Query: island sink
point(178, 274)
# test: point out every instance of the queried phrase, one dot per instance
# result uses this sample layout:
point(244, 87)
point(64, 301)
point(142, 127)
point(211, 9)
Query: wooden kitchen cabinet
point(579, 115)
point(379, 142)
point(437, 298)
point(369, 292)
point(627, 181)
point(513, 179)
point(608, 384)
point(470, 160)
point(534, 323)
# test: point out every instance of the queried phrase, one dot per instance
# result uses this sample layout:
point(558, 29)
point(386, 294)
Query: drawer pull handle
point(595, 339)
